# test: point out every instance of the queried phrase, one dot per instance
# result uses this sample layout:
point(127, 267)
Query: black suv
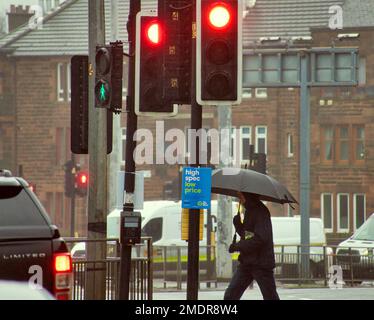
point(31, 248)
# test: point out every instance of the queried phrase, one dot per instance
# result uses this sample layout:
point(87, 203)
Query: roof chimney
point(17, 16)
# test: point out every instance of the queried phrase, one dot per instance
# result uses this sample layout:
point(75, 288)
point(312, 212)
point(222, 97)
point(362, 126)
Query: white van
point(164, 226)
point(361, 247)
point(113, 219)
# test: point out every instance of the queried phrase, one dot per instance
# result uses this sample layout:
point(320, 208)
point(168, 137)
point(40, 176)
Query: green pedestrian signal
point(108, 78)
point(102, 93)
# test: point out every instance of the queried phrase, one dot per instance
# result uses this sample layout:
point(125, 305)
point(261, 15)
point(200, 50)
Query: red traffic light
point(153, 32)
point(82, 179)
point(219, 16)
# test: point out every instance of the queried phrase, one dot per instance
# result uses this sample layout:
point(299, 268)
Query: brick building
point(34, 110)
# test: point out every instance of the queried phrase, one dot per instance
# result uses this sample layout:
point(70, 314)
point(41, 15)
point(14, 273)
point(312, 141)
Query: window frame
point(355, 141)
point(247, 93)
point(327, 230)
point(60, 89)
point(261, 93)
point(68, 81)
point(261, 136)
point(343, 230)
point(323, 144)
point(245, 136)
point(290, 145)
point(339, 140)
point(354, 208)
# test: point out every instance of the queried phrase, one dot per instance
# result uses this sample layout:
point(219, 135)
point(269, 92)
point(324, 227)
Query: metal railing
point(141, 278)
point(170, 264)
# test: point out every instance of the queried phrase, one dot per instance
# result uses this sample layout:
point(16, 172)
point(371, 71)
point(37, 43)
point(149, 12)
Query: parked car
point(30, 245)
point(355, 255)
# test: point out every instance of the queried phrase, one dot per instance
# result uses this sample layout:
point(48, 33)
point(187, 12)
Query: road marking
point(305, 299)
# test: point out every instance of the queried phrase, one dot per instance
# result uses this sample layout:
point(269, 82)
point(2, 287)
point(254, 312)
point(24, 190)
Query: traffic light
point(149, 67)
point(176, 24)
point(79, 104)
point(81, 183)
point(109, 73)
point(219, 52)
point(79, 119)
point(69, 169)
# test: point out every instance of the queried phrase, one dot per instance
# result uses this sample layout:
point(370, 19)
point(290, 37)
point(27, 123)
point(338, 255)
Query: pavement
point(364, 292)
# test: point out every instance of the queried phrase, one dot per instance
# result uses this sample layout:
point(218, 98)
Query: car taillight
point(62, 262)
point(62, 267)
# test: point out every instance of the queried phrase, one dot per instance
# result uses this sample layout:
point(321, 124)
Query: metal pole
point(72, 205)
point(194, 215)
point(224, 206)
point(131, 127)
point(304, 165)
point(97, 197)
point(114, 163)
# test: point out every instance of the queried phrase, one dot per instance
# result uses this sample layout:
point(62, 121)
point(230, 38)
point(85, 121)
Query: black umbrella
point(229, 181)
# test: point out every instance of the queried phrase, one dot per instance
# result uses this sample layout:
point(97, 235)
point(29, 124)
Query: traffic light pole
point(194, 215)
point(72, 206)
point(97, 197)
point(132, 122)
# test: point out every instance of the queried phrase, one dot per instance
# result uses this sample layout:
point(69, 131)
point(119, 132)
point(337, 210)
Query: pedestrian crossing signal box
point(130, 227)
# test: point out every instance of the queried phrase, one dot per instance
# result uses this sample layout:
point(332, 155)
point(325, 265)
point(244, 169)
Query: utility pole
point(97, 197)
point(305, 166)
point(194, 215)
point(114, 164)
point(131, 127)
point(224, 203)
point(72, 206)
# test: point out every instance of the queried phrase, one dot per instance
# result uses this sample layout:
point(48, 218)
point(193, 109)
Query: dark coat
point(256, 245)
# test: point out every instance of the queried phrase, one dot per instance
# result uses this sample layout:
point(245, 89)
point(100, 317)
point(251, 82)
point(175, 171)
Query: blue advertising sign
point(196, 188)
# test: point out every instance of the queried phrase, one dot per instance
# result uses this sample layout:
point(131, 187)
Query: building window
point(342, 137)
point(290, 150)
point(247, 93)
point(362, 71)
point(261, 93)
point(359, 143)
point(327, 211)
point(63, 82)
point(343, 144)
point(245, 137)
point(123, 144)
point(359, 209)
point(261, 139)
point(233, 144)
point(68, 79)
point(327, 144)
point(343, 212)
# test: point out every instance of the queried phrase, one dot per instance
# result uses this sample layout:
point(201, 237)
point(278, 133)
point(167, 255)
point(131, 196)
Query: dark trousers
point(244, 276)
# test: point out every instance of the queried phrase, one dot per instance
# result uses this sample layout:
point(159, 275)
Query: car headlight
point(364, 252)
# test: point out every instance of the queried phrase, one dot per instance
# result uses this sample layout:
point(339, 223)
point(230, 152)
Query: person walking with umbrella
point(256, 247)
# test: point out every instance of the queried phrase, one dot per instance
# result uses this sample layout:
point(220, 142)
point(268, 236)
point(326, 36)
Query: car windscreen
point(18, 209)
point(366, 231)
